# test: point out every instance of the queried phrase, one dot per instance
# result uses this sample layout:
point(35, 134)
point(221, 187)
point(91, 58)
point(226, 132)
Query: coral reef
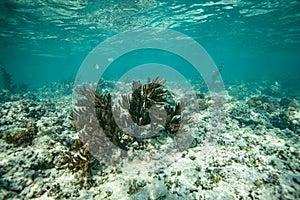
point(263, 103)
point(246, 117)
point(173, 119)
point(288, 116)
point(141, 106)
point(289, 104)
point(81, 161)
point(203, 102)
point(282, 113)
point(146, 103)
point(143, 98)
point(256, 155)
point(135, 186)
point(22, 138)
point(100, 123)
point(94, 116)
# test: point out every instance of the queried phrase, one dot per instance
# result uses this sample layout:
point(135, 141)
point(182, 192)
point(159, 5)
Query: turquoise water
point(43, 41)
point(222, 120)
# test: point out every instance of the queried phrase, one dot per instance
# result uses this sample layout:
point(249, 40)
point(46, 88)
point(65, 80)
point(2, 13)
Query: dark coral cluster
point(173, 118)
point(143, 98)
point(95, 115)
point(82, 160)
point(202, 100)
point(22, 138)
point(148, 104)
point(263, 103)
point(280, 113)
point(286, 117)
point(99, 126)
point(100, 134)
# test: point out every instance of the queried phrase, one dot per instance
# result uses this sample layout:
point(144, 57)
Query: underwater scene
point(150, 99)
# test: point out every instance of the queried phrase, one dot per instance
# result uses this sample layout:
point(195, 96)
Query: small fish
point(97, 66)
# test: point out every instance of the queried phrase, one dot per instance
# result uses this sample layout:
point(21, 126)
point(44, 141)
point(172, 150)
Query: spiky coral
point(95, 115)
point(100, 133)
point(143, 98)
point(81, 161)
point(148, 96)
point(100, 122)
point(22, 138)
point(145, 104)
point(173, 118)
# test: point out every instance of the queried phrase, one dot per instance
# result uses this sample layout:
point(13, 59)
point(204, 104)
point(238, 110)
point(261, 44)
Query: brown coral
point(82, 161)
point(263, 103)
point(95, 116)
point(22, 138)
point(173, 118)
point(146, 102)
point(100, 133)
point(100, 122)
point(143, 98)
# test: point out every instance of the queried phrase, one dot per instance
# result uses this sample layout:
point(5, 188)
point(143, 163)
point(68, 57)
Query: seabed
point(255, 155)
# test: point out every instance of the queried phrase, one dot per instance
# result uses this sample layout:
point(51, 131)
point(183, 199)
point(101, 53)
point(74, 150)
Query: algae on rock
point(82, 161)
point(22, 138)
